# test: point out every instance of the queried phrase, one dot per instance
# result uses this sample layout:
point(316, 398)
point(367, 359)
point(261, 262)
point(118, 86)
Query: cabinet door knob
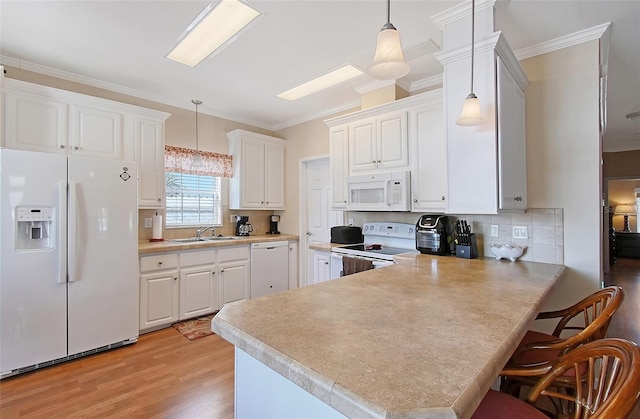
point(175, 278)
point(378, 161)
point(442, 197)
point(221, 270)
point(159, 263)
point(373, 161)
point(308, 233)
point(159, 199)
point(326, 263)
point(517, 198)
point(75, 147)
point(415, 200)
point(61, 145)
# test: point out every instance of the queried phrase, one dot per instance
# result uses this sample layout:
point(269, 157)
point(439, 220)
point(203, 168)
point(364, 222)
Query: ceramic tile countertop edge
point(169, 246)
point(325, 247)
point(345, 401)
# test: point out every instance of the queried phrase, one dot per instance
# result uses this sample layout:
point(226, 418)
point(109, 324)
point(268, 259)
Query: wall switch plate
point(494, 230)
point(148, 223)
point(520, 232)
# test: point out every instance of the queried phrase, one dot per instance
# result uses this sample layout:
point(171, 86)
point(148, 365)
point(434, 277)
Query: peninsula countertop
point(423, 338)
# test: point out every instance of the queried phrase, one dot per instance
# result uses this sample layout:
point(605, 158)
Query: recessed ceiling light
point(332, 78)
point(213, 28)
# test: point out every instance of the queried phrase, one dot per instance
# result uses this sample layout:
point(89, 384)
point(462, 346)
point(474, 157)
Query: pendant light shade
point(197, 158)
point(471, 114)
point(388, 61)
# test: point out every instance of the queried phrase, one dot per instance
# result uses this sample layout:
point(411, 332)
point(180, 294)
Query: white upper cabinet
point(429, 145)
point(339, 165)
point(41, 118)
point(258, 171)
point(149, 139)
point(486, 163)
point(34, 122)
point(512, 161)
point(97, 130)
point(379, 143)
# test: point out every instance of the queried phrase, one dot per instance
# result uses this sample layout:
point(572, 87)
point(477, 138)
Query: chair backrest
point(609, 373)
point(595, 311)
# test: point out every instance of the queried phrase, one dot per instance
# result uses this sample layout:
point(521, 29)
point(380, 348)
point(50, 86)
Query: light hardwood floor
point(165, 375)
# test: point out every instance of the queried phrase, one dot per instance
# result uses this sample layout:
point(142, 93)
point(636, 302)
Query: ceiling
point(120, 46)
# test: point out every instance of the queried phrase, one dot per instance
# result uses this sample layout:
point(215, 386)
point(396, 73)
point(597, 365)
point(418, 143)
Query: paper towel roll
point(157, 227)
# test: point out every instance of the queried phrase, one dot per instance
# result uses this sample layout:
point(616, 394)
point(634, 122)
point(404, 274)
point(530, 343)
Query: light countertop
point(423, 338)
point(169, 246)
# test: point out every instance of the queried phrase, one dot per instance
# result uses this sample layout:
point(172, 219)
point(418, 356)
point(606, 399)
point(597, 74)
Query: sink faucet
point(199, 231)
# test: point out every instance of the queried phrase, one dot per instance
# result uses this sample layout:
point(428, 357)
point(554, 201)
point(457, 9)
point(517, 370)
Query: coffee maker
point(243, 226)
point(273, 225)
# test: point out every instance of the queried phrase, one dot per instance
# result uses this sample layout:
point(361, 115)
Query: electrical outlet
point(148, 223)
point(494, 230)
point(350, 221)
point(520, 232)
point(233, 218)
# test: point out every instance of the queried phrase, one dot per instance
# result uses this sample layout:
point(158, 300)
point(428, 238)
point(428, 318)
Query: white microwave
point(379, 192)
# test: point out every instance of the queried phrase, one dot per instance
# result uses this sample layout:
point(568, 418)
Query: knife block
point(468, 251)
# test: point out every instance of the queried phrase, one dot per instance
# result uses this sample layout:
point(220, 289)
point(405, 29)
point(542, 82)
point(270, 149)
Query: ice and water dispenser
point(34, 228)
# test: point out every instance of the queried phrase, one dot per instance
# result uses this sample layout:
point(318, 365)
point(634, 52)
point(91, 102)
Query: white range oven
point(382, 241)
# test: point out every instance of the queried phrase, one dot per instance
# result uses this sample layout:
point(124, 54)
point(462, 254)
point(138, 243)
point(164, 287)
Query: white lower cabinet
point(182, 285)
point(321, 266)
point(198, 283)
point(159, 290)
point(234, 268)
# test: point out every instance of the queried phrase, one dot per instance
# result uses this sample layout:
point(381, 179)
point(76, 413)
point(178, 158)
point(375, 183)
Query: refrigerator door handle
point(62, 228)
point(72, 237)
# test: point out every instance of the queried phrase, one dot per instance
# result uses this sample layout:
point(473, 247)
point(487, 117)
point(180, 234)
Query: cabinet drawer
point(233, 253)
point(156, 263)
point(200, 257)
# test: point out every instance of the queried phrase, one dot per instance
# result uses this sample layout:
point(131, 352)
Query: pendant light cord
point(473, 6)
point(388, 11)
point(197, 102)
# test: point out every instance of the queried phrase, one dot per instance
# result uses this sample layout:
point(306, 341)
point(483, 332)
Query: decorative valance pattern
point(178, 159)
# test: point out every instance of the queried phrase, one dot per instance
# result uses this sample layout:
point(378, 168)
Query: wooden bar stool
point(608, 371)
point(537, 350)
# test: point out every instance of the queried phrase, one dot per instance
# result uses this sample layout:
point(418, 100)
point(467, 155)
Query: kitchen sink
point(203, 239)
point(188, 240)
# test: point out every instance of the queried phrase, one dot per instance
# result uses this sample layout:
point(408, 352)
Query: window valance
point(178, 159)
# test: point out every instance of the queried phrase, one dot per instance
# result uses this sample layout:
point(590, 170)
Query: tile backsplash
point(545, 230)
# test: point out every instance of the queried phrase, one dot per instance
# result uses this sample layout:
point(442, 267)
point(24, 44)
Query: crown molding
point(460, 11)
point(375, 85)
point(427, 82)
point(589, 34)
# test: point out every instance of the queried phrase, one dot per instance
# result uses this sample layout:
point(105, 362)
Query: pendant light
point(471, 108)
point(197, 158)
point(388, 61)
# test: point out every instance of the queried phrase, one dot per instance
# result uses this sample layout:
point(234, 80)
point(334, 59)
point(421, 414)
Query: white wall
point(563, 158)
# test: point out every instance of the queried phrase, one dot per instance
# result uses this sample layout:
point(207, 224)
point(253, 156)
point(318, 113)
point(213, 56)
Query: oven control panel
point(400, 230)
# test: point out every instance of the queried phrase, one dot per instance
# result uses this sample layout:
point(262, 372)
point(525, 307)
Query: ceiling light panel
point(215, 27)
point(325, 81)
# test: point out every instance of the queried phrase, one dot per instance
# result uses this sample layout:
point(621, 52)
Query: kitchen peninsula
point(423, 338)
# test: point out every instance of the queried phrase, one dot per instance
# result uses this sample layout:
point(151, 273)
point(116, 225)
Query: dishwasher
point(269, 268)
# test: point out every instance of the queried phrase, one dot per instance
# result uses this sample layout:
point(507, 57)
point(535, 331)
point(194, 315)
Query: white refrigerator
point(68, 266)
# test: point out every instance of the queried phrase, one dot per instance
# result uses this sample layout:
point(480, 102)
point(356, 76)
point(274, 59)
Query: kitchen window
point(192, 200)
point(194, 194)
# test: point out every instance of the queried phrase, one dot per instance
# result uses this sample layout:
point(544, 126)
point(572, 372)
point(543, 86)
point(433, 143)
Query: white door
point(318, 218)
point(33, 289)
point(102, 257)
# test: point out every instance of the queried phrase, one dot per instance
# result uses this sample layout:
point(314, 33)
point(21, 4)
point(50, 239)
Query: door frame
point(303, 164)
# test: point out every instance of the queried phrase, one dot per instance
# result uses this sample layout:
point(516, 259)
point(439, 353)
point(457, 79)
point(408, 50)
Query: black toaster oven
point(433, 234)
